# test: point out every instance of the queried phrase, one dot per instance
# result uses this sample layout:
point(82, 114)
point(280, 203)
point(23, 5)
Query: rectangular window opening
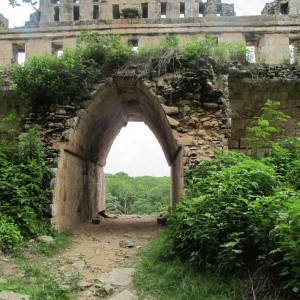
point(134, 44)
point(76, 1)
point(56, 14)
point(163, 9)
point(19, 53)
point(292, 54)
point(116, 11)
point(55, 2)
point(201, 9)
point(284, 8)
point(145, 10)
point(182, 10)
point(96, 12)
point(76, 13)
point(57, 49)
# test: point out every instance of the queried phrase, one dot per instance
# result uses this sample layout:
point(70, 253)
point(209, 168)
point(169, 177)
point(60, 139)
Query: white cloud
point(252, 7)
point(17, 15)
point(137, 152)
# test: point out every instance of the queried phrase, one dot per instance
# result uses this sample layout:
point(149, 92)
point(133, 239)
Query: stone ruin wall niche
point(248, 93)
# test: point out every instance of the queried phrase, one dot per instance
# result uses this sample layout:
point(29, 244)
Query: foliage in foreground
point(240, 214)
point(179, 280)
point(23, 194)
point(143, 195)
point(47, 79)
point(38, 280)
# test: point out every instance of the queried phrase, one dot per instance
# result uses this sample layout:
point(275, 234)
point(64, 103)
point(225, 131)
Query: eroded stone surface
point(6, 295)
point(118, 276)
point(124, 295)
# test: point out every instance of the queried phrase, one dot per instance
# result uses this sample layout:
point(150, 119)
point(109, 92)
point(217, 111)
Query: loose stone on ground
point(118, 276)
point(6, 295)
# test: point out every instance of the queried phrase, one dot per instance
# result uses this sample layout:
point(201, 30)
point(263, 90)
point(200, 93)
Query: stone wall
point(65, 11)
point(191, 112)
point(249, 90)
point(282, 7)
point(271, 35)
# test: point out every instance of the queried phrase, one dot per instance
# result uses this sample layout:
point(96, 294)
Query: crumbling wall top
point(60, 12)
point(3, 21)
point(282, 7)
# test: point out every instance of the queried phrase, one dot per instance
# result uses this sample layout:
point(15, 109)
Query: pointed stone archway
point(79, 180)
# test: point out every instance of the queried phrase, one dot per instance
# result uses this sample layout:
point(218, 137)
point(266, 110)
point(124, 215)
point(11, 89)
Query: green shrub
point(10, 235)
point(195, 49)
point(266, 128)
point(248, 178)
point(293, 174)
point(47, 79)
point(23, 175)
point(218, 224)
point(288, 243)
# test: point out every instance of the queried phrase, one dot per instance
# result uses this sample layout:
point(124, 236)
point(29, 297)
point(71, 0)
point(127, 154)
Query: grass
point(159, 276)
point(34, 273)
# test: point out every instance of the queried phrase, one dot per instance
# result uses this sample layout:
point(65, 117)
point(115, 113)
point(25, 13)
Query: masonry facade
point(59, 22)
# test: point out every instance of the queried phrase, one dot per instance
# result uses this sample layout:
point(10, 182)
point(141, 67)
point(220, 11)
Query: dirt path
point(95, 249)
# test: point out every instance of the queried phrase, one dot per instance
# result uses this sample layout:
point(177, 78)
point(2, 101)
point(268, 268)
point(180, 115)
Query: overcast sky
point(135, 150)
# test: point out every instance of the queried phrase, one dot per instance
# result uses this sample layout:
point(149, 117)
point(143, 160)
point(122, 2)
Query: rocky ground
point(100, 258)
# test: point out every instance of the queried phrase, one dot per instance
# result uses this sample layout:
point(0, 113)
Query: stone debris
point(162, 219)
point(108, 289)
point(3, 280)
point(118, 276)
point(83, 285)
point(79, 264)
point(124, 295)
point(126, 244)
point(6, 295)
point(46, 239)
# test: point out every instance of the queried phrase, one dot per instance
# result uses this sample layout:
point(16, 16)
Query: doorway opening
point(137, 176)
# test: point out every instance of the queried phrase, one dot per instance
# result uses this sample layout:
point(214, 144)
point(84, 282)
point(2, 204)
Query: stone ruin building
point(3, 21)
point(58, 23)
point(191, 113)
point(282, 7)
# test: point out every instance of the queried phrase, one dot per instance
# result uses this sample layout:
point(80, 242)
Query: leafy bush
point(241, 213)
point(23, 175)
point(229, 51)
point(47, 79)
point(10, 235)
point(288, 243)
point(267, 127)
point(248, 178)
point(293, 174)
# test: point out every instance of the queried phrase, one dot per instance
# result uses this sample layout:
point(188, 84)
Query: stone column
point(211, 8)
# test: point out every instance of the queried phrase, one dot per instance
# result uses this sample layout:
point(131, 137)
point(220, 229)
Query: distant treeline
point(142, 195)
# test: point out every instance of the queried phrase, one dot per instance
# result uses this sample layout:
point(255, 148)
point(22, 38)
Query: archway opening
point(137, 176)
point(80, 189)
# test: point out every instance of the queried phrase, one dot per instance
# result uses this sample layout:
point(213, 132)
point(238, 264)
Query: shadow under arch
point(79, 188)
